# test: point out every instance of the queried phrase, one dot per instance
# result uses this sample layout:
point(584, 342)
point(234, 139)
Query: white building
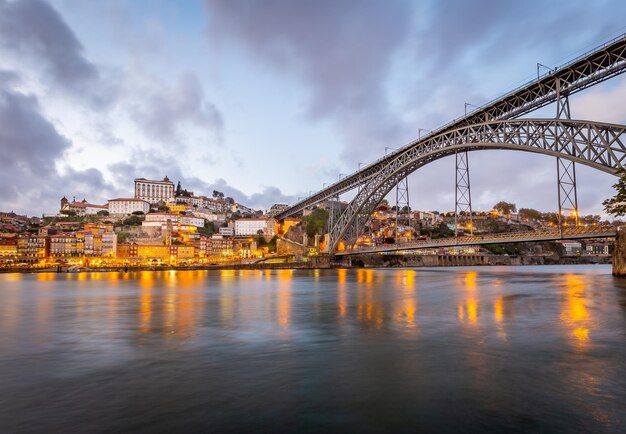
point(154, 191)
point(572, 247)
point(175, 221)
point(124, 206)
point(82, 208)
point(251, 226)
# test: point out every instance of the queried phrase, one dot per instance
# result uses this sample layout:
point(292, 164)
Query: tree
point(103, 213)
point(617, 204)
point(505, 208)
point(230, 200)
point(138, 213)
point(316, 222)
point(218, 194)
point(133, 220)
point(529, 214)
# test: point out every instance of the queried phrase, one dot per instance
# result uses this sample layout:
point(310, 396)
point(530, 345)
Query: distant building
point(229, 232)
point(571, 247)
point(277, 208)
point(241, 209)
point(174, 221)
point(597, 249)
point(251, 226)
point(154, 191)
point(81, 208)
point(124, 206)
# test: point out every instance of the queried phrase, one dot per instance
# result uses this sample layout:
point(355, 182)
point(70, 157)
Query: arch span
point(598, 145)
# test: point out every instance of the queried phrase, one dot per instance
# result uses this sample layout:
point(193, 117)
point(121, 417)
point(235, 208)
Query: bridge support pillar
point(619, 253)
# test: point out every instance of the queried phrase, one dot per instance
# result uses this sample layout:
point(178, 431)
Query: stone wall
point(619, 254)
point(288, 247)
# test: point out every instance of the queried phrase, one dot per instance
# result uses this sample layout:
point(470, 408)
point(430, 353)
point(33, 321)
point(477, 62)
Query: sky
point(267, 100)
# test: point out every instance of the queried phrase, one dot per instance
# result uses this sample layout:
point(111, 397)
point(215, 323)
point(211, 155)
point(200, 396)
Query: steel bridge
point(576, 233)
point(496, 126)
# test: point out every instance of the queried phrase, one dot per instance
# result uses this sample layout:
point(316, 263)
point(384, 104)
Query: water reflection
point(283, 299)
point(468, 309)
point(575, 314)
point(539, 348)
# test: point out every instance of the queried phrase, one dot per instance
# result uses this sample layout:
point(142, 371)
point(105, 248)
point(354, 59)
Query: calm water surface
point(525, 349)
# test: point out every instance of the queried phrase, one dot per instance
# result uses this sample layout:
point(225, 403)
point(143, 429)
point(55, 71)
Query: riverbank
point(357, 261)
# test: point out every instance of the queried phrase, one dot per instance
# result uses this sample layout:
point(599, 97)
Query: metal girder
point(603, 231)
point(402, 201)
point(463, 192)
point(598, 145)
point(598, 65)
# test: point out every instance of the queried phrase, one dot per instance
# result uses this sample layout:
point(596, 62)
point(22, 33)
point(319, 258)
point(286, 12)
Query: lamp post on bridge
point(419, 132)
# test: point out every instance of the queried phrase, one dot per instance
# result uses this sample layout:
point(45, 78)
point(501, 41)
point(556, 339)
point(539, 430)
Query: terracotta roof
point(85, 205)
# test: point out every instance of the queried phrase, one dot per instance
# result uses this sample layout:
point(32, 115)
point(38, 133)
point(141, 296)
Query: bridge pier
point(619, 253)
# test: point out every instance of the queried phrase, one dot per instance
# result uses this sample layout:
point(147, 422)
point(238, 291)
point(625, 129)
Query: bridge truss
point(491, 126)
point(599, 145)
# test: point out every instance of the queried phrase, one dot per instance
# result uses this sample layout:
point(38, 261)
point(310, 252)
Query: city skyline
point(266, 101)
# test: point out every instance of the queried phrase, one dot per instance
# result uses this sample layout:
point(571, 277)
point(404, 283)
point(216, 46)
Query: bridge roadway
point(577, 233)
point(602, 63)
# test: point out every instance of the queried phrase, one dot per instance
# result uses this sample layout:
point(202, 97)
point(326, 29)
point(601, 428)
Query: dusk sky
point(267, 100)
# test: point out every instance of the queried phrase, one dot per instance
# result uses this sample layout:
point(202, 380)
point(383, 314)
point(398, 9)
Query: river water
point(485, 349)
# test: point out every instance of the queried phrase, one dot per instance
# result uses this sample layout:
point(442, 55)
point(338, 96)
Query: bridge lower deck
point(477, 240)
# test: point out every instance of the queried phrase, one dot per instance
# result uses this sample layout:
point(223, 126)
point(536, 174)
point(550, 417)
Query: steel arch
point(598, 145)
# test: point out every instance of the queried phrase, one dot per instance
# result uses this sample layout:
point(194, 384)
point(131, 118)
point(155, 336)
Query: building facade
point(154, 191)
point(251, 226)
point(124, 206)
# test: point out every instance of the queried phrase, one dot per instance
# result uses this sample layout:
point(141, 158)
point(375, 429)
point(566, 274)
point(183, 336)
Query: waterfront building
point(219, 245)
point(67, 245)
point(598, 248)
point(109, 244)
point(125, 206)
point(154, 191)
point(32, 248)
point(8, 246)
point(251, 226)
point(571, 247)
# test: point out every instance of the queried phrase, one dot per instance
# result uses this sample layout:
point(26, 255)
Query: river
point(484, 349)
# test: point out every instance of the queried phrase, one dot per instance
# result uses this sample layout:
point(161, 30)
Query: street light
point(419, 132)
point(471, 105)
point(540, 65)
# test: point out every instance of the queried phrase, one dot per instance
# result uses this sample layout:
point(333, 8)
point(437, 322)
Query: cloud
point(34, 32)
point(29, 143)
point(30, 150)
point(342, 50)
point(164, 113)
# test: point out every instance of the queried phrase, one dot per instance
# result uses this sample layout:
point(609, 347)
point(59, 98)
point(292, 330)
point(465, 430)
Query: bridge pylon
point(567, 194)
point(462, 193)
